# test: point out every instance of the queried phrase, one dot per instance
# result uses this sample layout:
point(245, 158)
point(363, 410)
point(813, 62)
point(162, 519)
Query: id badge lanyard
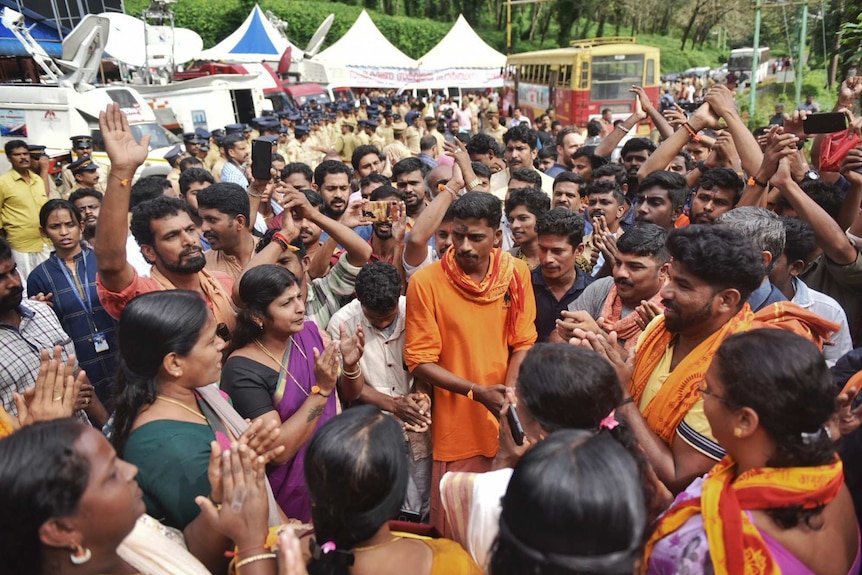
point(85, 285)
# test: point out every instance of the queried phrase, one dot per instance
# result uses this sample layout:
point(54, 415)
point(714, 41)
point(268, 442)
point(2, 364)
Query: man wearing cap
point(173, 157)
point(414, 133)
point(495, 129)
point(347, 142)
point(86, 173)
point(362, 134)
point(294, 149)
point(193, 144)
point(214, 153)
point(82, 146)
point(398, 150)
point(385, 129)
point(374, 137)
point(40, 165)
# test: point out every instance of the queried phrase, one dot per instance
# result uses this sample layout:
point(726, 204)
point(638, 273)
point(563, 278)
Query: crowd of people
point(497, 350)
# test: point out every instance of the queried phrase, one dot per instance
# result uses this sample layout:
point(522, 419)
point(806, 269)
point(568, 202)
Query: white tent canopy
point(461, 59)
point(363, 57)
point(255, 40)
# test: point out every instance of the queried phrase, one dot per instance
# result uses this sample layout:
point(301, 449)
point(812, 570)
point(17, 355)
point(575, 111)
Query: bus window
point(650, 73)
point(613, 76)
point(585, 75)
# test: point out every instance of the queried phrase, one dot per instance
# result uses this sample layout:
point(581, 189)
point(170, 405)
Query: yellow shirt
point(20, 203)
point(695, 418)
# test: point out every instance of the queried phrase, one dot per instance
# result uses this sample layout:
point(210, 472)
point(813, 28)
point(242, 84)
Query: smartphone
point(261, 159)
point(378, 211)
point(824, 123)
point(515, 425)
point(855, 381)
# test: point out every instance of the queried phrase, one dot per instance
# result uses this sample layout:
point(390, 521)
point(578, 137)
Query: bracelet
point(469, 394)
point(623, 128)
point(353, 374)
point(694, 137)
point(626, 401)
point(473, 183)
point(239, 552)
point(452, 193)
point(753, 182)
point(254, 195)
point(123, 181)
point(281, 240)
point(315, 390)
point(252, 559)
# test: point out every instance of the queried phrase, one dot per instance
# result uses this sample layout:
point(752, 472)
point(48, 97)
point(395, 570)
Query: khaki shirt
point(497, 134)
point(413, 137)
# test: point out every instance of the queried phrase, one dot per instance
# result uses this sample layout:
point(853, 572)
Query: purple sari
point(288, 480)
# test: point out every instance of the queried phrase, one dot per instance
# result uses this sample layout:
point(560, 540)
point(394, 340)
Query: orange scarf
point(7, 426)
point(501, 280)
point(626, 327)
point(214, 293)
point(735, 544)
point(679, 392)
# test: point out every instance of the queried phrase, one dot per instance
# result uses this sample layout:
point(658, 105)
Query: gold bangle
point(353, 374)
point(473, 183)
point(252, 559)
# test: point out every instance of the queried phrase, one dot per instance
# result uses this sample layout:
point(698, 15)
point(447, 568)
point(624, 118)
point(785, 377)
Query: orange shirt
point(470, 340)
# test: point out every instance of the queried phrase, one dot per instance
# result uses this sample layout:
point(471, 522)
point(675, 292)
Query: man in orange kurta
point(470, 321)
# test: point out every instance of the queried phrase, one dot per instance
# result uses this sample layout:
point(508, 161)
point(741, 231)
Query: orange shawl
point(626, 327)
point(679, 392)
point(215, 294)
point(735, 544)
point(501, 280)
point(7, 426)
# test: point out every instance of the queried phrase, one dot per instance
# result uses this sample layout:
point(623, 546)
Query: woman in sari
point(280, 374)
point(351, 530)
point(777, 502)
point(168, 414)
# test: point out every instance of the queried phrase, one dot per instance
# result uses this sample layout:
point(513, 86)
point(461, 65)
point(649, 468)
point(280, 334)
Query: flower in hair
point(609, 422)
point(327, 547)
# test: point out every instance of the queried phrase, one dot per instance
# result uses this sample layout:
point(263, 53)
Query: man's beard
point(185, 264)
point(12, 300)
point(677, 323)
point(90, 231)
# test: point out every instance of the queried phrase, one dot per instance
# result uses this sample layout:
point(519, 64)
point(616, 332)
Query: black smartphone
point(261, 159)
point(824, 123)
point(515, 425)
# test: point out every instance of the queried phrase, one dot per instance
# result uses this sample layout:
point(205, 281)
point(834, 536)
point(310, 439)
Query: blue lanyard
point(85, 284)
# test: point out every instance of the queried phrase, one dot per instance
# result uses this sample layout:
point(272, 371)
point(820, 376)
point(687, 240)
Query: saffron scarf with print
point(501, 280)
point(626, 327)
point(735, 544)
point(216, 295)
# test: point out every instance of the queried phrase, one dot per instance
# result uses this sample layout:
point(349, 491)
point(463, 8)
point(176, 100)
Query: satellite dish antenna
point(317, 40)
point(126, 40)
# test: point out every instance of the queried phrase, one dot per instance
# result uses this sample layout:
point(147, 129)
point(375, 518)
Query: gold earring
point(737, 432)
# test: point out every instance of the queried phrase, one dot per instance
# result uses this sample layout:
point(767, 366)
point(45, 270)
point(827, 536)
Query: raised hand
point(244, 511)
point(351, 347)
point(122, 148)
point(851, 167)
point(643, 100)
point(779, 145)
point(326, 366)
point(646, 312)
point(399, 221)
point(675, 117)
point(721, 100)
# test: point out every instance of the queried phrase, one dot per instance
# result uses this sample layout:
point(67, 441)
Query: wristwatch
point(701, 165)
point(811, 176)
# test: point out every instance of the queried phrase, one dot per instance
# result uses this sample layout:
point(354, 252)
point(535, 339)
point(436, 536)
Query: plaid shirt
point(330, 293)
point(20, 347)
point(48, 277)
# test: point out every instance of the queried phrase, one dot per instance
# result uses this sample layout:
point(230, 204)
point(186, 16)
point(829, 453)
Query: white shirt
point(136, 258)
point(382, 360)
point(829, 309)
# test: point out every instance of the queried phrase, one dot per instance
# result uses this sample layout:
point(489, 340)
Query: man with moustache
point(569, 139)
point(630, 298)
point(520, 152)
point(26, 328)
point(237, 154)
point(474, 284)
point(89, 202)
point(713, 270)
point(557, 282)
point(409, 177)
point(22, 195)
point(718, 192)
point(332, 179)
point(224, 211)
point(386, 246)
point(162, 227)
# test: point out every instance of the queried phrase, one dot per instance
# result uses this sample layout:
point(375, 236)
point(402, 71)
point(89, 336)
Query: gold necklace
point(379, 545)
point(181, 404)
point(274, 359)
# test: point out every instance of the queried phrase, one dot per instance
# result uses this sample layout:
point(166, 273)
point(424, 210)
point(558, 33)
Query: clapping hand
point(55, 393)
point(260, 437)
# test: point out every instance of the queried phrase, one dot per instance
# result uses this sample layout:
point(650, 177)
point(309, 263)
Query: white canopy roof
point(461, 48)
point(363, 57)
point(255, 40)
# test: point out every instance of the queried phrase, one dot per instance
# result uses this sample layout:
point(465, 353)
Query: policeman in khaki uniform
point(347, 142)
point(173, 157)
point(82, 147)
point(362, 134)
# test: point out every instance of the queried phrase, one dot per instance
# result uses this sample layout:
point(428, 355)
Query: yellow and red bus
point(583, 79)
